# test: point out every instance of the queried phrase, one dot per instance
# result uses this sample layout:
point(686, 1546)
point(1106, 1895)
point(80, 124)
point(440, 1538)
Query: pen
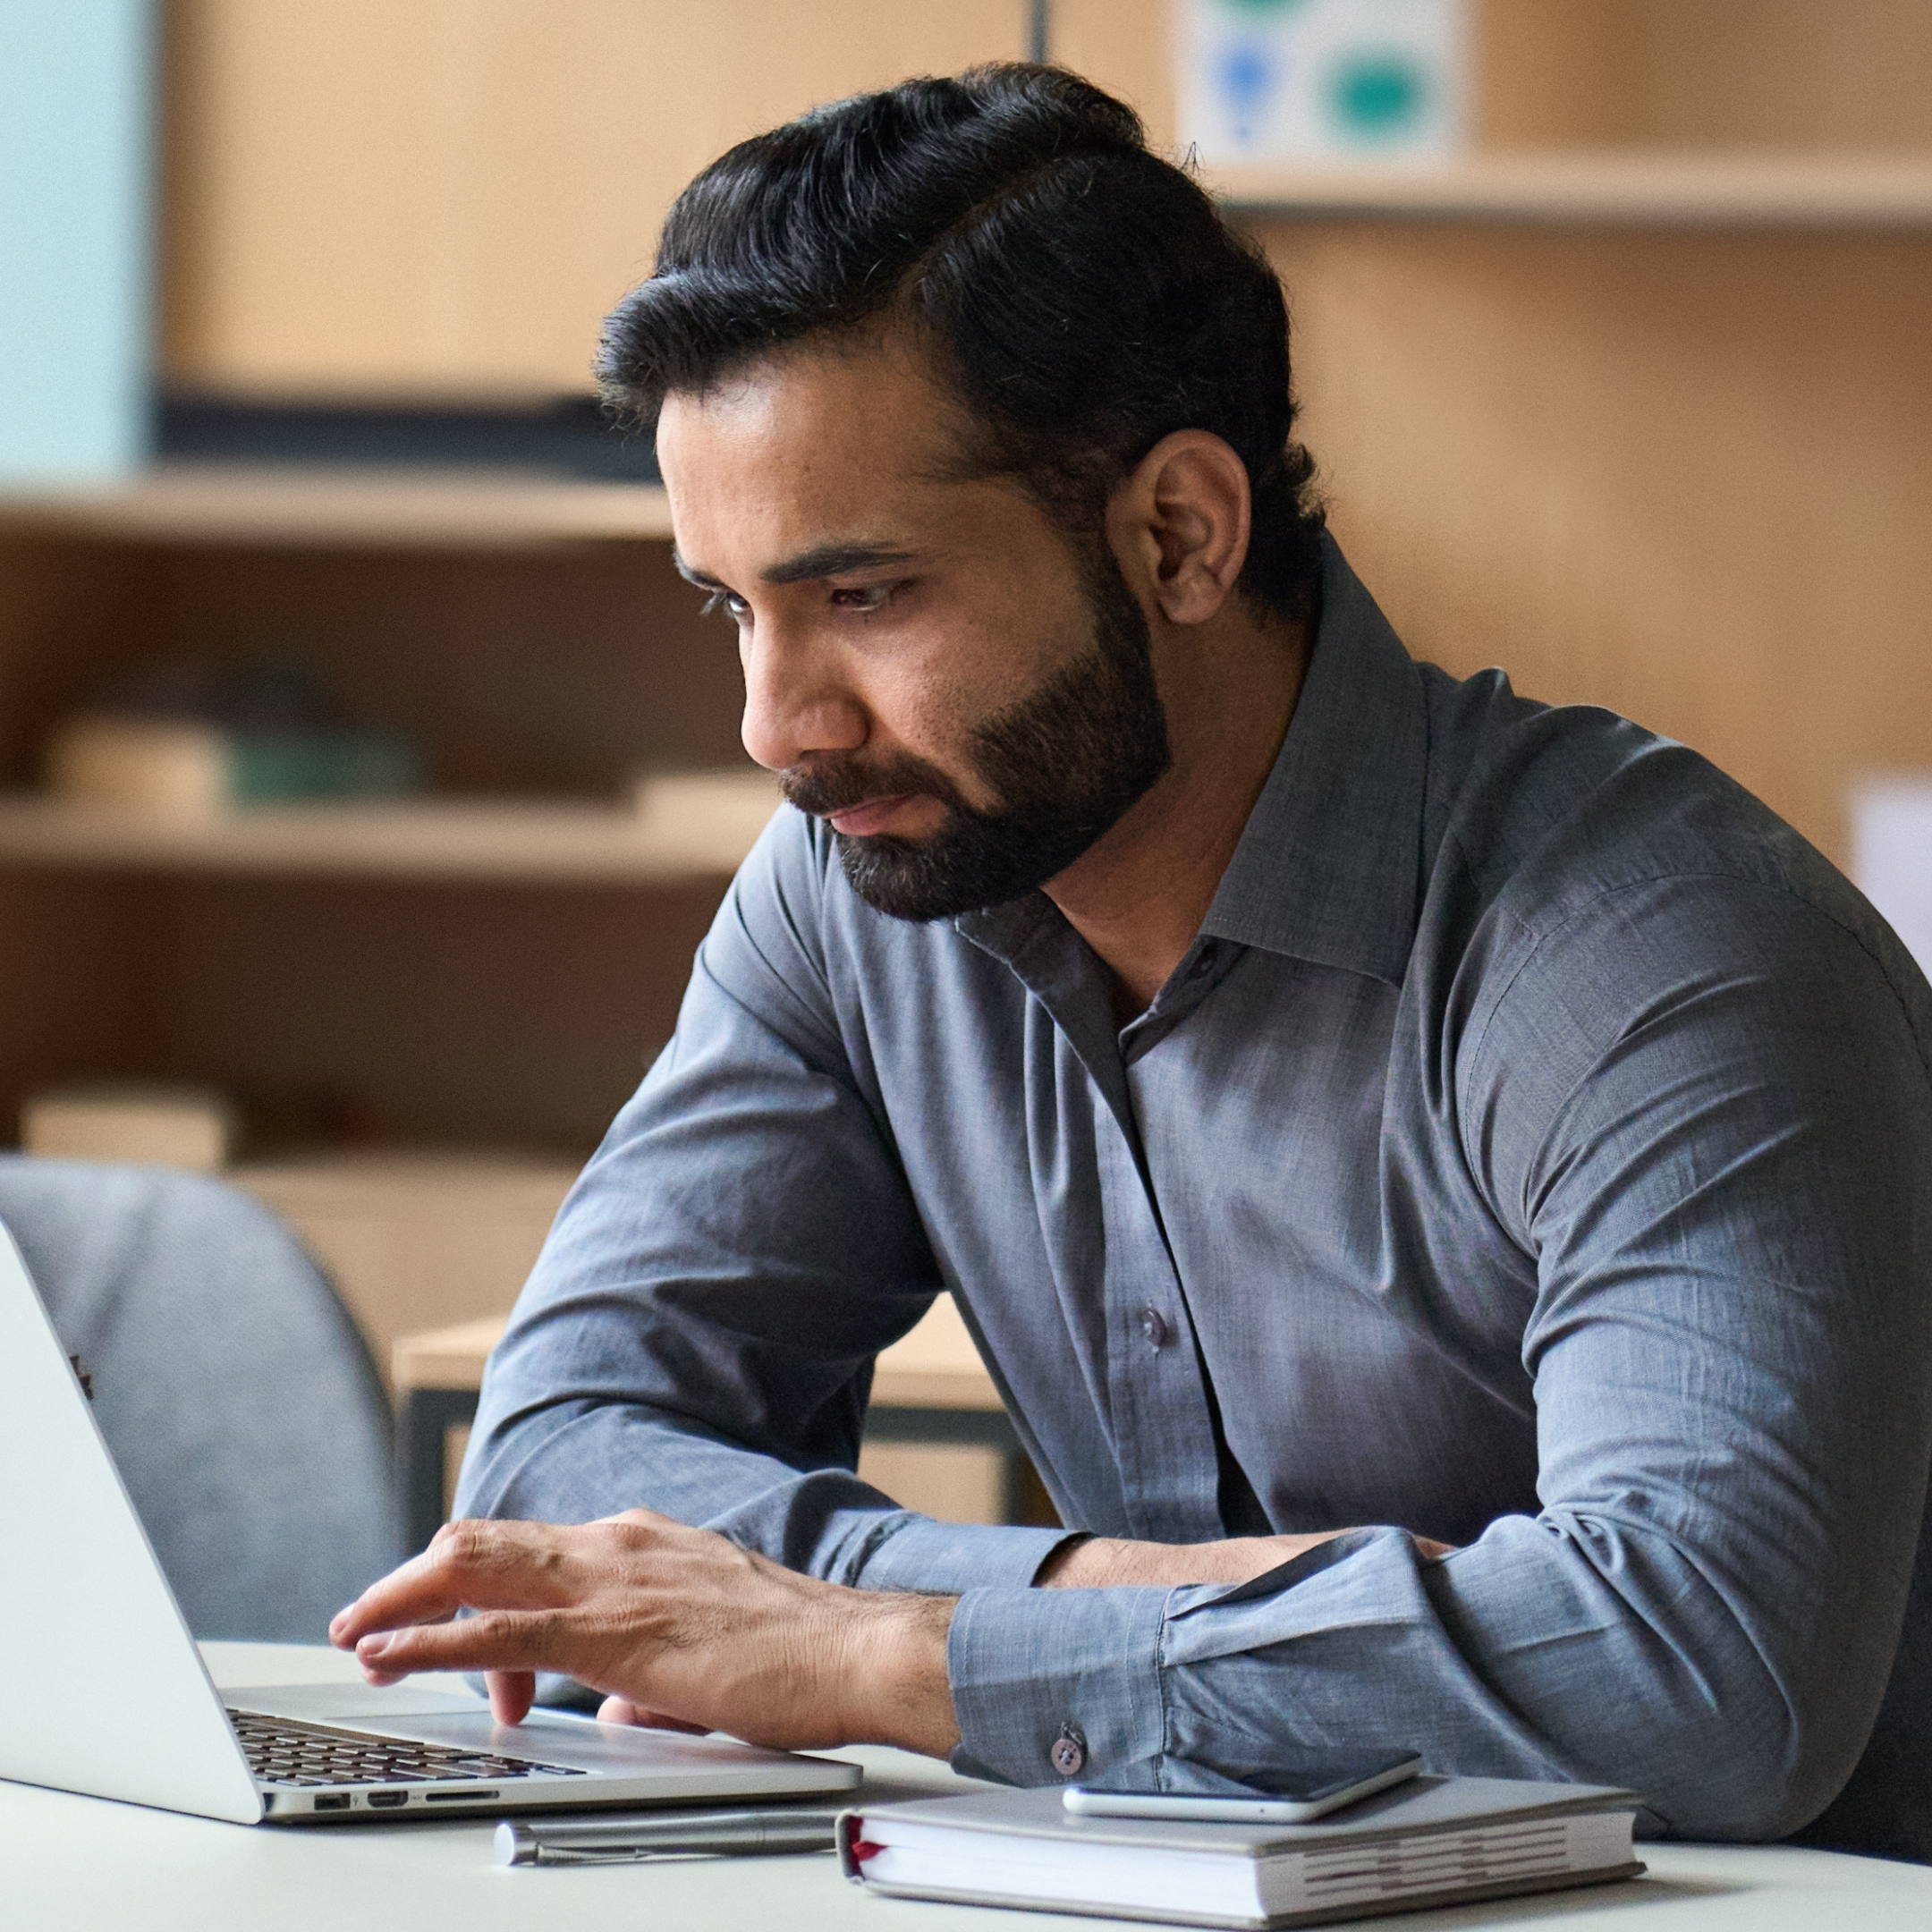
point(627, 1837)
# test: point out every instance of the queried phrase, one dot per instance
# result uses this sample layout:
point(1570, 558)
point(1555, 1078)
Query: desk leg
point(428, 1414)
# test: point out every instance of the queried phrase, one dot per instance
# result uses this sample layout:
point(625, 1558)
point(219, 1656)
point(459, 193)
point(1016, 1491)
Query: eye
point(728, 601)
point(866, 599)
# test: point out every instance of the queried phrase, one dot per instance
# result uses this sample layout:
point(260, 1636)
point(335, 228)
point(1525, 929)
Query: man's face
point(965, 695)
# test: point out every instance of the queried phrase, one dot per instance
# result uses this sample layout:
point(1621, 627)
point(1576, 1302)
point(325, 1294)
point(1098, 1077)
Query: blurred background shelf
point(1633, 400)
point(1757, 191)
point(291, 506)
point(521, 841)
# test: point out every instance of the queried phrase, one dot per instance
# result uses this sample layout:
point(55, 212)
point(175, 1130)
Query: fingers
point(511, 1694)
point(468, 1565)
point(507, 1640)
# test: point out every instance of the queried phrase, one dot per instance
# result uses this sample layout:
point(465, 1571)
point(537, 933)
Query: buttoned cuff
point(951, 1558)
point(1054, 1686)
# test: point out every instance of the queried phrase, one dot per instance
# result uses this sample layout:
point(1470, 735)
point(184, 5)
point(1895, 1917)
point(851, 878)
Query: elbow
point(1750, 1767)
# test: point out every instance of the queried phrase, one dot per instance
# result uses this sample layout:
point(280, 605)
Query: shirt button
point(1205, 963)
point(1154, 1328)
point(1069, 1751)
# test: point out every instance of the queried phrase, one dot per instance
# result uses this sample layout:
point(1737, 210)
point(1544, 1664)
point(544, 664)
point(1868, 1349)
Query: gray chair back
point(236, 1394)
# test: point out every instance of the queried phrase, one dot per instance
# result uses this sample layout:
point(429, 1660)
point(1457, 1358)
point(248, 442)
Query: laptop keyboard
point(280, 1752)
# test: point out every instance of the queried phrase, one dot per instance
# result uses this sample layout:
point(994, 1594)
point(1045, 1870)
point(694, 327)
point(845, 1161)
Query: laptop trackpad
point(337, 1703)
point(584, 1746)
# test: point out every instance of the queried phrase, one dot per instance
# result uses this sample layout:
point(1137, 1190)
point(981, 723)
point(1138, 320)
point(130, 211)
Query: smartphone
point(1277, 1800)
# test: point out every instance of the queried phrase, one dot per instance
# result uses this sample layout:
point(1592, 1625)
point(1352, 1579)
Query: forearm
point(577, 1463)
point(1551, 1649)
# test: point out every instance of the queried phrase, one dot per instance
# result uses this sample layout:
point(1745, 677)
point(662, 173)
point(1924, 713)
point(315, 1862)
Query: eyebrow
point(824, 560)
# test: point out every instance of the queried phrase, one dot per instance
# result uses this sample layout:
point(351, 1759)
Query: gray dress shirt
point(1533, 1151)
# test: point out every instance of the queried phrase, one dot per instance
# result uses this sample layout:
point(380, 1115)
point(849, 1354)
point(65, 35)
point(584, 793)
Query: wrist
point(1112, 1563)
point(896, 1688)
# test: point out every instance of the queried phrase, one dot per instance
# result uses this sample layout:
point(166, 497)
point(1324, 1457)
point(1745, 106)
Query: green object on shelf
point(322, 762)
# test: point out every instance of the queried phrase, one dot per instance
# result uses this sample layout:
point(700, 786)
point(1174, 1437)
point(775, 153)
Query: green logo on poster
point(1377, 95)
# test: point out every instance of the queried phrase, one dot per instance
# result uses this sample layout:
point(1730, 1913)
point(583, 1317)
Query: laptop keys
point(282, 1752)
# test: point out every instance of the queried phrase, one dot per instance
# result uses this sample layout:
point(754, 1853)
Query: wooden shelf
point(1609, 189)
point(321, 506)
point(522, 841)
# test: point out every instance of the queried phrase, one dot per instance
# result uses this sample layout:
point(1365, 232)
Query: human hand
point(1101, 1562)
point(675, 1625)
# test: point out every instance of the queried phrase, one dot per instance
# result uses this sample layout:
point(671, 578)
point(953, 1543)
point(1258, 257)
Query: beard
point(1062, 765)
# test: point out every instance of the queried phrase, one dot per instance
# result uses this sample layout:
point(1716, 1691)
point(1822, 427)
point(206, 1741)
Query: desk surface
point(82, 1865)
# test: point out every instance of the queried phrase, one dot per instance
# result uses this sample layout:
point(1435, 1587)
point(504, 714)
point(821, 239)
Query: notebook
point(1434, 1840)
point(117, 1702)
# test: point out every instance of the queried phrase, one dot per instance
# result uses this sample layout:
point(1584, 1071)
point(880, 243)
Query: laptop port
point(450, 1797)
point(384, 1800)
point(333, 1801)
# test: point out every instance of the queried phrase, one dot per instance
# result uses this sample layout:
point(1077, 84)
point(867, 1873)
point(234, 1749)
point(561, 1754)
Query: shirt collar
point(1328, 867)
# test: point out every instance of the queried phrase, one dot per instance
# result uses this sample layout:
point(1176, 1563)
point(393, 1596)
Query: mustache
point(837, 785)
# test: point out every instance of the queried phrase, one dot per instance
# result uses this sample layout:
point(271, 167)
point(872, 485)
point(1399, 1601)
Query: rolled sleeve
point(951, 1558)
point(1030, 1668)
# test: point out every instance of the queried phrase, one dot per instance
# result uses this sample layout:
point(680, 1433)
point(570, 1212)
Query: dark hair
point(1082, 297)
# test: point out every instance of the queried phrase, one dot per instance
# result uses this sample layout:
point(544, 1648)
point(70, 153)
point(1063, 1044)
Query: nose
point(796, 702)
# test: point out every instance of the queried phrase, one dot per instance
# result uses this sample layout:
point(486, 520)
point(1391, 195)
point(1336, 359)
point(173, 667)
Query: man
point(1445, 1185)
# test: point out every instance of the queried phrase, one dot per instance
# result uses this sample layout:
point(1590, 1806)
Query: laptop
point(107, 1694)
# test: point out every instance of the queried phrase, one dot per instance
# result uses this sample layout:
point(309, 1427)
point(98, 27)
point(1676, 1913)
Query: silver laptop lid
point(86, 1615)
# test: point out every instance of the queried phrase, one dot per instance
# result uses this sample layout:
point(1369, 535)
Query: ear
point(1180, 525)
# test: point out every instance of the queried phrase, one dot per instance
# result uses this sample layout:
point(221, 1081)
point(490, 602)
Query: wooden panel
point(1604, 187)
point(445, 196)
point(949, 1482)
point(433, 1015)
point(517, 841)
point(1855, 73)
point(413, 1239)
point(320, 507)
point(60, 603)
point(74, 996)
point(539, 673)
point(1752, 73)
point(1125, 47)
point(560, 670)
point(448, 195)
point(935, 1366)
point(1558, 76)
point(1690, 479)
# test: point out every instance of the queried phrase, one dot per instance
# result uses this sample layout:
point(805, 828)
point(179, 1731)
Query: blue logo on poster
point(1249, 74)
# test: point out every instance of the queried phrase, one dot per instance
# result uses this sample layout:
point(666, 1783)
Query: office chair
point(235, 1394)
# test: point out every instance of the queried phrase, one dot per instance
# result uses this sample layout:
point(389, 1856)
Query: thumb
point(617, 1710)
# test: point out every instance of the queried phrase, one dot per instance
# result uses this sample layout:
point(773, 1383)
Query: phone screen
point(1339, 1774)
point(1272, 1798)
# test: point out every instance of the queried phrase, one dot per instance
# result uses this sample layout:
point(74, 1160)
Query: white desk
point(81, 1865)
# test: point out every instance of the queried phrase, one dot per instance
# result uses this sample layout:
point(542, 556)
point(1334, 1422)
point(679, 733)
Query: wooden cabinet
point(491, 967)
point(445, 197)
point(1637, 401)
point(1645, 420)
